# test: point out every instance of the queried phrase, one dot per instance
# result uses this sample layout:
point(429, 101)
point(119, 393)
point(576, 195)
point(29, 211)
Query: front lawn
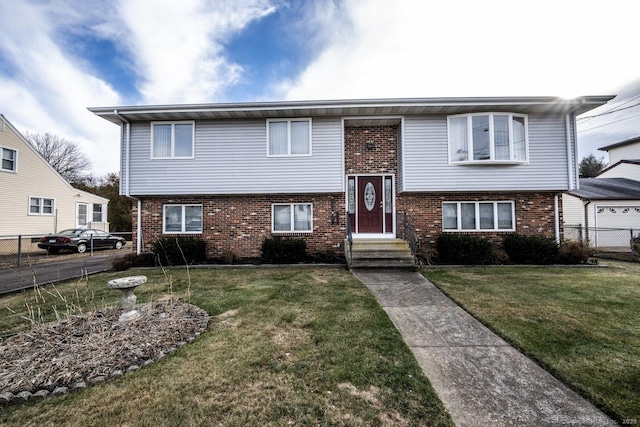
point(581, 324)
point(285, 346)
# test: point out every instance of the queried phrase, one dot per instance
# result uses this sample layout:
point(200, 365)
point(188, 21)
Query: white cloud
point(469, 48)
point(178, 46)
point(47, 91)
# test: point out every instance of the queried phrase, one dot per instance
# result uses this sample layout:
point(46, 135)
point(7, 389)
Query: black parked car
point(79, 240)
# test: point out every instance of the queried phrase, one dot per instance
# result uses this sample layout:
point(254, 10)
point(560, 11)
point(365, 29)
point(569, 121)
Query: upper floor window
point(478, 216)
point(8, 160)
point(289, 137)
point(182, 219)
point(487, 137)
point(172, 140)
point(40, 206)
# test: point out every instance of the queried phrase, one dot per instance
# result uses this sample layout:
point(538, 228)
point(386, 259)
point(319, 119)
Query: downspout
point(586, 219)
point(556, 214)
point(572, 136)
point(127, 189)
point(127, 139)
point(569, 151)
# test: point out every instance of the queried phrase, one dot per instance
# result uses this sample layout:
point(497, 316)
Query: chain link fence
point(16, 250)
point(617, 243)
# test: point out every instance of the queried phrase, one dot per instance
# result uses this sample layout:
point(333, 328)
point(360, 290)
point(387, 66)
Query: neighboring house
point(35, 198)
point(606, 210)
point(625, 150)
point(624, 160)
point(608, 206)
point(235, 174)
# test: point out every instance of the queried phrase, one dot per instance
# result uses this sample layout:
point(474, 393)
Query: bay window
point(487, 137)
point(478, 216)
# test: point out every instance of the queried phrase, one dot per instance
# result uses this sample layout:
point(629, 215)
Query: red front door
point(370, 212)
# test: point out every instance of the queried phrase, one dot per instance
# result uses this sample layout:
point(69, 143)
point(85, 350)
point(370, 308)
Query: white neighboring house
point(610, 202)
point(35, 198)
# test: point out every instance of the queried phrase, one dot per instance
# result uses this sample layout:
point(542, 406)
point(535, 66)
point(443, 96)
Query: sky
point(58, 57)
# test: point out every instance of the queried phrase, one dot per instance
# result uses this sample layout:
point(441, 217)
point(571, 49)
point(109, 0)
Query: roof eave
point(346, 106)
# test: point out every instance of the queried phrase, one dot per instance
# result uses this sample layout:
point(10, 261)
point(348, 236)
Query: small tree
point(590, 166)
point(63, 155)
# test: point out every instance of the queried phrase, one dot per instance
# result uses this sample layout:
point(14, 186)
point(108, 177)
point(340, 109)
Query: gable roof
point(620, 144)
point(628, 161)
point(37, 153)
point(607, 189)
point(352, 107)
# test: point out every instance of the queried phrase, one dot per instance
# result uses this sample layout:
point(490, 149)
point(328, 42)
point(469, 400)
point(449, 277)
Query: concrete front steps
point(380, 253)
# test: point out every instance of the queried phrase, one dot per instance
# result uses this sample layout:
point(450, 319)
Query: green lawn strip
point(287, 345)
point(582, 325)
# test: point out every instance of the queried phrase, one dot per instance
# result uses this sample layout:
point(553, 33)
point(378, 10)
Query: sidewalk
point(55, 270)
point(480, 378)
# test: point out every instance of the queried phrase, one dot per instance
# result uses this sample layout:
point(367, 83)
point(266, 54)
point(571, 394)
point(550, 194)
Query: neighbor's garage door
point(614, 223)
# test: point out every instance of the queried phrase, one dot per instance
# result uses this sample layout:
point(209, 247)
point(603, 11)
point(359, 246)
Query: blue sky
point(58, 57)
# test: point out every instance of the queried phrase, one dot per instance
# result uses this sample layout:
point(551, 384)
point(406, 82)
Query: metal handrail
point(349, 236)
point(410, 234)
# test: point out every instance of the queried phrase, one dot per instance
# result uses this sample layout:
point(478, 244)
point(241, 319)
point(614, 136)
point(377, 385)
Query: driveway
point(56, 269)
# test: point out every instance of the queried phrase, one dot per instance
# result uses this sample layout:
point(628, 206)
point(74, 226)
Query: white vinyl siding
point(487, 137)
point(292, 217)
point(172, 140)
point(289, 137)
point(478, 216)
point(230, 159)
point(426, 166)
point(41, 206)
point(182, 219)
point(9, 158)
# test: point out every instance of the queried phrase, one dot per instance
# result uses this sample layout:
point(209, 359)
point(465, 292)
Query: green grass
point(581, 324)
point(303, 346)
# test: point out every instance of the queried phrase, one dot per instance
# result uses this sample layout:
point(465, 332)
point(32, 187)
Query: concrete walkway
point(481, 379)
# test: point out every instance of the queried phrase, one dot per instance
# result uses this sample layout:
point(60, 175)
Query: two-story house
point(235, 174)
point(35, 198)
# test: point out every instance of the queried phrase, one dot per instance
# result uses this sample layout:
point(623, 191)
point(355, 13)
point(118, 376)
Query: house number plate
point(369, 196)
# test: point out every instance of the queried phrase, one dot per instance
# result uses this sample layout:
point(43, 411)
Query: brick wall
point(371, 149)
point(240, 223)
point(534, 212)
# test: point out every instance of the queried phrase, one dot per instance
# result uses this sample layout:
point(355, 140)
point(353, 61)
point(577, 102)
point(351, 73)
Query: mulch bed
point(73, 353)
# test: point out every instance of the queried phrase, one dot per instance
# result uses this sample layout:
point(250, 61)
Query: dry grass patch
point(279, 349)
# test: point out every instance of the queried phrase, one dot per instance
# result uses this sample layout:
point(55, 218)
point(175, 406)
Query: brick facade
point(239, 224)
point(534, 212)
point(371, 149)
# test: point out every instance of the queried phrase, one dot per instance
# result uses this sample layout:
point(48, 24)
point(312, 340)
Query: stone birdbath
point(127, 285)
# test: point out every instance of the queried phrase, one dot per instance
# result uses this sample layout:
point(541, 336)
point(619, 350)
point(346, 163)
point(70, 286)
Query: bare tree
point(63, 155)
